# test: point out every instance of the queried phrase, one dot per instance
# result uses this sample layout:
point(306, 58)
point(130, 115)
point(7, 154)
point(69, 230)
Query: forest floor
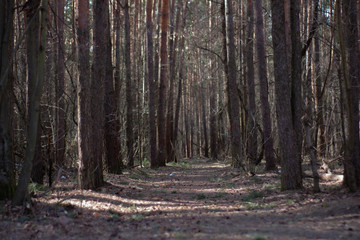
point(194, 199)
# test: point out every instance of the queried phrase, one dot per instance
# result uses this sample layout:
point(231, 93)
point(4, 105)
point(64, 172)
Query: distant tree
point(291, 176)
point(7, 174)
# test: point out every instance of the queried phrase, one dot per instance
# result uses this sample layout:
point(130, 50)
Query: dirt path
point(190, 200)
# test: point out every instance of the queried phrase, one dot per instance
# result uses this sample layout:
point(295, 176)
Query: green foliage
point(257, 206)
point(114, 218)
point(200, 196)
point(220, 194)
point(216, 179)
point(124, 183)
point(137, 217)
point(35, 187)
point(253, 195)
point(146, 163)
point(159, 191)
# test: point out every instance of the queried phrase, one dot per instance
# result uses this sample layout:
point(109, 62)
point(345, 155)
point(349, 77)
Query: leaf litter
point(195, 199)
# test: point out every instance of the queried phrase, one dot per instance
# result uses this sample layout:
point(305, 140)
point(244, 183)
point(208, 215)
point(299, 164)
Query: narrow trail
point(191, 200)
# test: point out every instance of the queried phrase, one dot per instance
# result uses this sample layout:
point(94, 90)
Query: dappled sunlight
point(198, 202)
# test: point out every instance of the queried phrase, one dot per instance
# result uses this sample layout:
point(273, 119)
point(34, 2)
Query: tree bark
point(251, 114)
point(351, 82)
point(60, 87)
point(264, 91)
point(88, 164)
point(152, 100)
point(163, 82)
point(290, 156)
point(129, 91)
point(7, 174)
point(296, 84)
point(103, 72)
point(233, 99)
point(21, 193)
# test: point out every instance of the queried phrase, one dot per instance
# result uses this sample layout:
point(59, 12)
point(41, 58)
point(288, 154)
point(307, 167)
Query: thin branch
point(210, 51)
point(312, 31)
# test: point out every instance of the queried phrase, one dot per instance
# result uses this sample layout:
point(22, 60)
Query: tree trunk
point(60, 86)
point(290, 156)
point(320, 141)
point(233, 99)
point(129, 91)
point(351, 82)
point(7, 174)
point(32, 48)
point(88, 164)
point(181, 75)
point(163, 82)
point(103, 75)
point(152, 100)
point(264, 98)
point(296, 85)
point(21, 193)
point(251, 114)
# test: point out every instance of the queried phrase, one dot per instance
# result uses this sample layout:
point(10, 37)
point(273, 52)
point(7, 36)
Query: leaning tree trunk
point(7, 176)
point(291, 177)
point(21, 193)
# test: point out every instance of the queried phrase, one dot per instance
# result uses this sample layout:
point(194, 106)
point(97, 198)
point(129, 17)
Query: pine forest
point(171, 119)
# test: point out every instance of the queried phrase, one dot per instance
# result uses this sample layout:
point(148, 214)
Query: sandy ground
point(195, 199)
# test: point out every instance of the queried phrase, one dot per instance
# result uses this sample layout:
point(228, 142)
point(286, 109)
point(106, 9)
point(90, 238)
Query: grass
point(137, 217)
point(220, 194)
point(34, 187)
point(290, 202)
point(218, 179)
point(200, 196)
point(257, 206)
point(157, 191)
point(253, 195)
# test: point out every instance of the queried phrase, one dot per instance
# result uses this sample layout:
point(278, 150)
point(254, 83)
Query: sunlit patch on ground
point(196, 200)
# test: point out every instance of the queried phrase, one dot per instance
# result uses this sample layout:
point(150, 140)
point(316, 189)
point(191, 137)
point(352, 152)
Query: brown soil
point(195, 199)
